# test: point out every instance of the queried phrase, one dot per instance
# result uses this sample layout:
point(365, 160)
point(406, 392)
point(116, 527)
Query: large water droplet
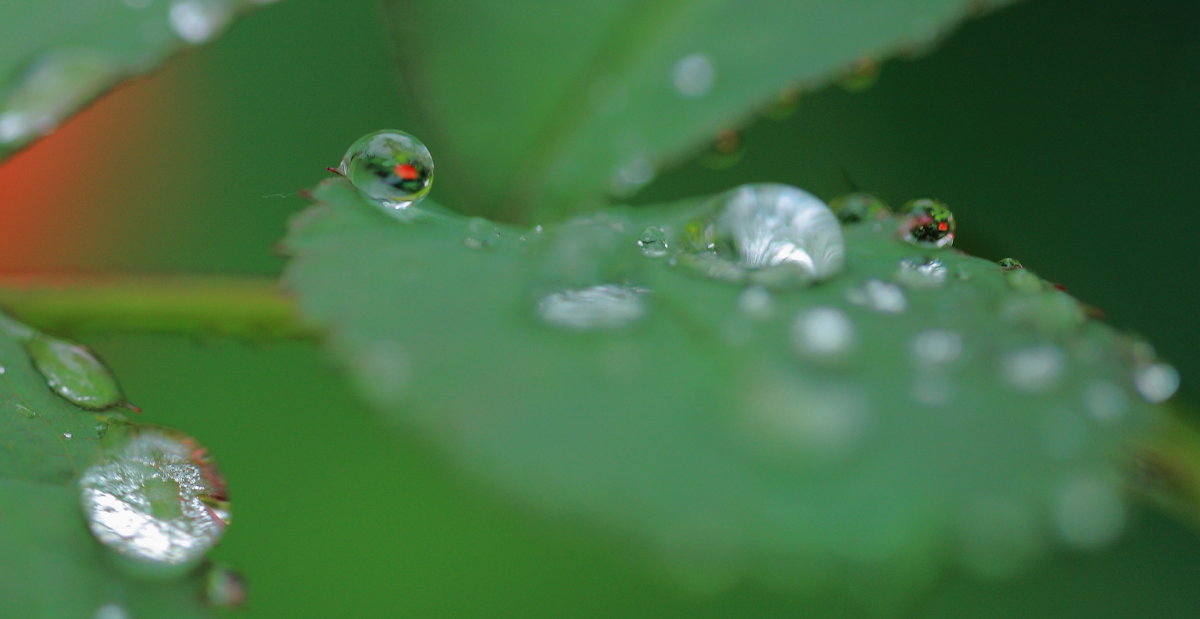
point(155, 497)
point(197, 21)
point(653, 242)
point(1157, 382)
point(74, 373)
point(694, 75)
point(879, 295)
point(1088, 513)
point(823, 333)
point(928, 222)
point(1034, 369)
point(768, 233)
point(389, 166)
point(606, 306)
point(49, 89)
point(922, 273)
point(856, 207)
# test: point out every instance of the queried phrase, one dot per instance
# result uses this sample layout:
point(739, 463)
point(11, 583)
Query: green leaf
point(60, 54)
point(52, 566)
point(979, 426)
point(533, 108)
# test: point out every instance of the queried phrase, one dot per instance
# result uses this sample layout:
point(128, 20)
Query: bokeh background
point(1064, 133)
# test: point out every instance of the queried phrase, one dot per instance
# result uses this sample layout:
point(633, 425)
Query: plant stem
point(253, 308)
point(1170, 466)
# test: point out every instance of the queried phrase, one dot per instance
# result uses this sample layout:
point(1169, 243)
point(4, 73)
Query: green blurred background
point(1064, 133)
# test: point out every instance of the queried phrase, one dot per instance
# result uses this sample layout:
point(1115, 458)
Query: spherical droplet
point(155, 497)
point(879, 295)
point(694, 75)
point(928, 222)
point(922, 273)
point(389, 166)
point(856, 207)
point(1088, 513)
point(73, 372)
point(766, 233)
point(1157, 382)
point(1034, 369)
point(197, 21)
point(653, 242)
point(1009, 264)
point(606, 306)
point(937, 347)
point(822, 333)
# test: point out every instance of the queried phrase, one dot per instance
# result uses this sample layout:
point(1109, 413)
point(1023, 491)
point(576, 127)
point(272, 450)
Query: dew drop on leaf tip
point(391, 167)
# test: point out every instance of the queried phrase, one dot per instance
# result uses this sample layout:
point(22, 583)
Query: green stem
point(198, 305)
point(1170, 466)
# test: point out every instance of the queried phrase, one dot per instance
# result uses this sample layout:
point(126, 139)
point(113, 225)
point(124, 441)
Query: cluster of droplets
point(390, 167)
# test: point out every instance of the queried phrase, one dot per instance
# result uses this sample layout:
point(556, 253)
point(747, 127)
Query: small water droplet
point(632, 175)
point(767, 233)
point(937, 347)
point(606, 306)
point(225, 587)
point(1034, 369)
point(922, 273)
point(481, 234)
point(1009, 264)
point(823, 333)
point(653, 242)
point(1105, 401)
point(879, 295)
point(809, 420)
point(155, 497)
point(755, 302)
point(74, 373)
point(68, 435)
point(49, 89)
point(1157, 382)
point(928, 222)
point(694, 75)
point(2, 370)
point(1088, 513)
point(197, 21)
point(389, 166)
point(111, 610)
point(856, 207)
point(861, 76)
point(26, 412)
point(724, 152)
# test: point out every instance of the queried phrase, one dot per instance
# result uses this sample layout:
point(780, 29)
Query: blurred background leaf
point(1053, 143)
point(583, 99)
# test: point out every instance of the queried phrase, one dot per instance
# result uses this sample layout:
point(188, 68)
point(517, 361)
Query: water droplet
point(856, 207)
point(1009, 264)
point(1105, 401)
point(111, 611)
point(879, 295)
point(49, 89)
point(224, 587)
point(74, 373)
point(197, 21)
point(2, 370)
point(755, 302)
point(1024, 280)
point(861, 76)
point(808, 420)
point(1088, 513)
point(823, 333)
point(481, 234)
point(928, 222)
point(937, 347)
point(606, 306)
point(1157, 382)
point(389, 166)
point(26, 412)
point(724, 152)
point(922, 273)
point(653, 242)
point(694, 75)
point(767, 233)
point(68, 435)
point(1034, 369)
point(155, 497)
point(634, 174)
